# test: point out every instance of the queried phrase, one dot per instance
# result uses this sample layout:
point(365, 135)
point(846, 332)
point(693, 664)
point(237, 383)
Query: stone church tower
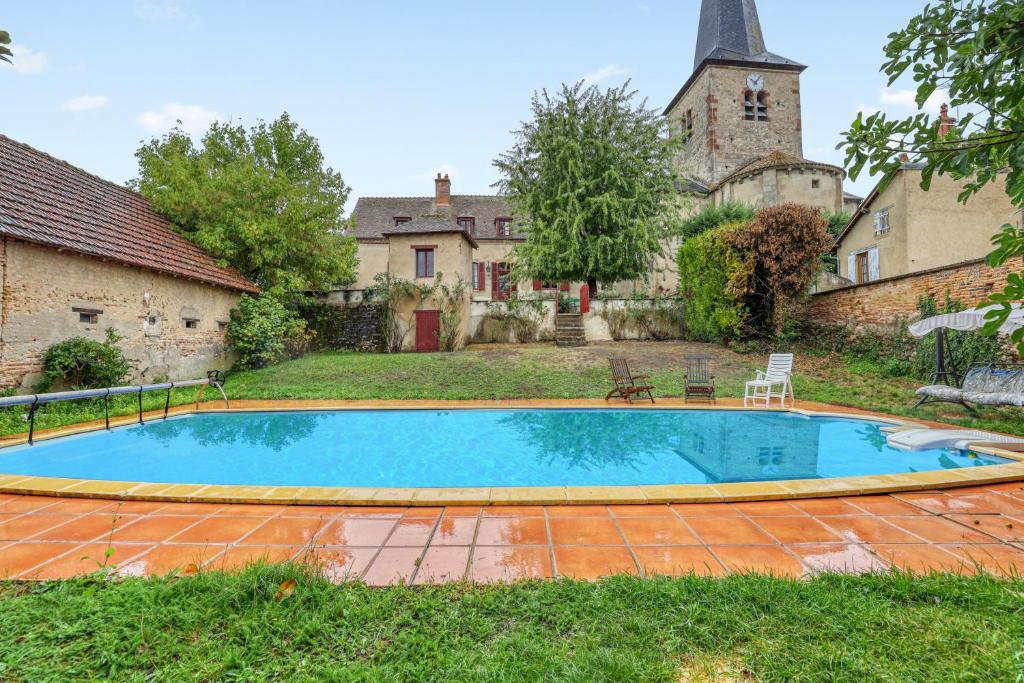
point(740, 111)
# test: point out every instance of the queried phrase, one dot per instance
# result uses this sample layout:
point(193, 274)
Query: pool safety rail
point(214, 378)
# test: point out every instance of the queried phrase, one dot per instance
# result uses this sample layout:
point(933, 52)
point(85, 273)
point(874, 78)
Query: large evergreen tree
point(260, 200)
point(591, 179)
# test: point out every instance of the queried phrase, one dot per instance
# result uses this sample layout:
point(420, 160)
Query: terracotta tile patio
point(967, 530)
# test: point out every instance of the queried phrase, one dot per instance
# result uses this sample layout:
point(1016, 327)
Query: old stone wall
point(339, 326)
point(171, 327)
point(883, 301)
point(722, 139)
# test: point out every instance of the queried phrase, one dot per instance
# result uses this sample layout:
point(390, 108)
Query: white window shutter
point(851, 267)
point(873, 264)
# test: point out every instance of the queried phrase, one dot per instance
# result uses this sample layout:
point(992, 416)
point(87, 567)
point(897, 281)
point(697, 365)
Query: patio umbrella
point(962, 321)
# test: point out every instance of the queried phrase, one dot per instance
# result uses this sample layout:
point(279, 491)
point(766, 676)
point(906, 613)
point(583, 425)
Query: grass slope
point(218, 626)
point(541, 371)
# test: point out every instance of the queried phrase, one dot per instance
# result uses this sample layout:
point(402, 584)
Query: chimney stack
point(946, 121)
point(442, 191)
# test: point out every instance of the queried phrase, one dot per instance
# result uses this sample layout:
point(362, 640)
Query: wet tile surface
point(978, 529)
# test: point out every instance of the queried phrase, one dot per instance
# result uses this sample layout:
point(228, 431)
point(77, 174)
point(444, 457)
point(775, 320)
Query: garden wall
point(345, 323)
point(883, 301)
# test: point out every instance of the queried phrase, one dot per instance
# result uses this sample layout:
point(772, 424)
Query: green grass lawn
point(544, 371)
point(744, 628)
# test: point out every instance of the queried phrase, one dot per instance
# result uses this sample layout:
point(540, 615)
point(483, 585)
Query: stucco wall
point(722, 140)
point(452, 258)
point(373, 260)
point(928, 229)
point(778, 185)
point(41, 286)
point(892, 245)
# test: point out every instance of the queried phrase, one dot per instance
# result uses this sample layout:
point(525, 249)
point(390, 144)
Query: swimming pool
point(480, 448)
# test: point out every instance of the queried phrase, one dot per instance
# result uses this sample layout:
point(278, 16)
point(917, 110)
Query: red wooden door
point(428, 325)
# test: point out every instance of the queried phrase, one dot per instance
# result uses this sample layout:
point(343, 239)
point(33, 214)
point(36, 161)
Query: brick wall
point(42, 287)
point(882, 301)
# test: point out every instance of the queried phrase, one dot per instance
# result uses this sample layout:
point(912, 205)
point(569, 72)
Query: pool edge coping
point(527, 495)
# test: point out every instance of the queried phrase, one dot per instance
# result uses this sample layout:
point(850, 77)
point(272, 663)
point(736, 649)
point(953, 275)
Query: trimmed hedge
point(712, 277)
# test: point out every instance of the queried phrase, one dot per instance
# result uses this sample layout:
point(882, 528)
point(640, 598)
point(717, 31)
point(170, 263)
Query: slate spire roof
point(729, 30)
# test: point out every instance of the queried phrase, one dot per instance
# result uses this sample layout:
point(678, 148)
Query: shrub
point(83, 363)
point(653, 317)
point(711, 217)
point(783, 245)
point(450, 302)
point(515, 317)
point(712, 278)
point(263, 331)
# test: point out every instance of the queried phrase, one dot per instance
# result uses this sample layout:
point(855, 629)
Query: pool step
point(569, 330)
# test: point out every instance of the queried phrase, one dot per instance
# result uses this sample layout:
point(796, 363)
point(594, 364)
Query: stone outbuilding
point(80, 255)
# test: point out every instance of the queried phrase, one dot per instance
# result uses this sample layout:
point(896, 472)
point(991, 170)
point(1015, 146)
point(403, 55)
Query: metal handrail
point(214, 378)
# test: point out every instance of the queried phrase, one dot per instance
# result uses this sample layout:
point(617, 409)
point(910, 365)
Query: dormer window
point(467, 223)
point(755, 106)
point(503, 227)
point(401, 219)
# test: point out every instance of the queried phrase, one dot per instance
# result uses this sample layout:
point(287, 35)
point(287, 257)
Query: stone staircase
point(569, 330)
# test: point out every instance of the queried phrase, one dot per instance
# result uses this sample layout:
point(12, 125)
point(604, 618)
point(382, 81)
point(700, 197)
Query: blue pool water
point(428, 448)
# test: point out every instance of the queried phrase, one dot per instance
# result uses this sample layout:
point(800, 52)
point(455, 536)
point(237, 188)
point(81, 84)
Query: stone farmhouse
point(79, 255)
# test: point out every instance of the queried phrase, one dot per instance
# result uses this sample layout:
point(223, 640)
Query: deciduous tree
point(591, 181)
point(261, 200)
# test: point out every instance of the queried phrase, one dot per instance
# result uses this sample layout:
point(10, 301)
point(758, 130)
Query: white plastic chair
point(779, 373)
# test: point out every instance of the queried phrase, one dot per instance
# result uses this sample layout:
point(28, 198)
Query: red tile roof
point(50, 202)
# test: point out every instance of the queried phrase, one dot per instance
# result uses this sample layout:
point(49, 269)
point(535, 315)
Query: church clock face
point(755, 82)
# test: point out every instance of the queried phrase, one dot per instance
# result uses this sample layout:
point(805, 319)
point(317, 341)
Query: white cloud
point(164, 10)
point(27, 61)
point(603, 74)
point(85, 103)
point(906, 99)
point(192, 118)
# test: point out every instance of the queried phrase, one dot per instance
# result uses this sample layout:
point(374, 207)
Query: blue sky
point(396, 91)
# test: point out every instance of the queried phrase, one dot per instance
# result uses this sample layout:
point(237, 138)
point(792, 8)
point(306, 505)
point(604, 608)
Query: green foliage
point(515, 318)
point(259, 200)
point(591, 179)
point(973, 50)
point(712, 279)
point(263, 331)
point(835, 221)
point(391, 293)
point(710, 217)
point(83, 363)
point(451, 301)
point(739, 280)
point(651, 317)
point(5, 52)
